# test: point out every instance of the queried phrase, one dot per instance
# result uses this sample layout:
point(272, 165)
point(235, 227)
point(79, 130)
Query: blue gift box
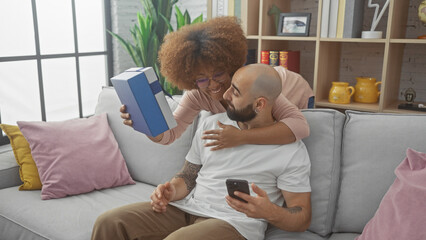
point(141, 92)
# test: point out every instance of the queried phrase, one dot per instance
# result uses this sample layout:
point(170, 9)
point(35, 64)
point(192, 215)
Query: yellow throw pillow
point(28, 169)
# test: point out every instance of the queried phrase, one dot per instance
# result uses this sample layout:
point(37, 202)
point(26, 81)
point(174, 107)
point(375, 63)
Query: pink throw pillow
point(402, 212)
point(75, 156)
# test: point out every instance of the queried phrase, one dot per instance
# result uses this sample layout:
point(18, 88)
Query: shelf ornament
point(376, 19)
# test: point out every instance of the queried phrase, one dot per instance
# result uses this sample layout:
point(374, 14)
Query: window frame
point(39, 57)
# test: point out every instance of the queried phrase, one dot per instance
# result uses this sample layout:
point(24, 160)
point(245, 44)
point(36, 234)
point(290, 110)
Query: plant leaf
point(150, 9)
point(198, 19)
point(170, 27)
point(139, 47)
point(127, 46)
point(152, 50)
point(187, 18)
point(180, 19)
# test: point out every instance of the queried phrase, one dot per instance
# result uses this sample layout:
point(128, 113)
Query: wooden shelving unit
point(322, 58)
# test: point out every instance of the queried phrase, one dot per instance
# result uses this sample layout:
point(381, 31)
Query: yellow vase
point(366, 90)
point(341, 93)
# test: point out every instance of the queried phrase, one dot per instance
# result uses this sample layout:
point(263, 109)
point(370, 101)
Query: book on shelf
point(225, 8)
point(354, 15)
point(251, 56)
point(237, 8)
point(325, 18)
point(231, 7)
point(334, 13)
point(141, 92)
point(340, 19)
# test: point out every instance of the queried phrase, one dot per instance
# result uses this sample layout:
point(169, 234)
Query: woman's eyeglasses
point(205, 82)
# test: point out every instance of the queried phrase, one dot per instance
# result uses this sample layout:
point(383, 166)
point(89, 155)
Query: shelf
point(419, 41)
point(367, 107)
point(252, 37)
point(393, 108)
point(355, 40)
point(313, 39)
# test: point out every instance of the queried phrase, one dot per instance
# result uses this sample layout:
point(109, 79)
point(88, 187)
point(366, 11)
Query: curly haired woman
point(202, 59)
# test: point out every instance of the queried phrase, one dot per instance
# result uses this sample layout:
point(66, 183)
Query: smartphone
point(237, 185)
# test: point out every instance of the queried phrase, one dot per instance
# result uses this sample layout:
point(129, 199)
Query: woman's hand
point(126, 116)
point(127, 121)
point(226, 137)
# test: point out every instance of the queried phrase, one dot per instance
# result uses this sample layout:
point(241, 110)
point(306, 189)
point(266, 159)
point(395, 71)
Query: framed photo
point(294, 24)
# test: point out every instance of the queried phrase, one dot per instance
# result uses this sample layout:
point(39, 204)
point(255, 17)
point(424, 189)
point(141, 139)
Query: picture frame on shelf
point(294, 24)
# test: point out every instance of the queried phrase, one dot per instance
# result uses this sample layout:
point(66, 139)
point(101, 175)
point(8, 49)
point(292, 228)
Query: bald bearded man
point(195, 204)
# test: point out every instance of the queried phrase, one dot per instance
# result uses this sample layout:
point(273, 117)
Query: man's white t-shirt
point(271, 167)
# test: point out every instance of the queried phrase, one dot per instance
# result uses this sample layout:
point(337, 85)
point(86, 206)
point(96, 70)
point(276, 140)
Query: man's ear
point(260, 104)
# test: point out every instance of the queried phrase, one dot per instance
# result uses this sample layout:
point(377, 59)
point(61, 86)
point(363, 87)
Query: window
point(55, 56)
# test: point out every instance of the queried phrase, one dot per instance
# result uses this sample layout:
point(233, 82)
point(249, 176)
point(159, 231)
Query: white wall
point(123, 17)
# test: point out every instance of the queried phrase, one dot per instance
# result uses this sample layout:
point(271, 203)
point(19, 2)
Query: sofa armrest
point(9, 169)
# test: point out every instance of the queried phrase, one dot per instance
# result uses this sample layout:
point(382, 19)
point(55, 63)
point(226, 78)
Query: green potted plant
point(148, 33)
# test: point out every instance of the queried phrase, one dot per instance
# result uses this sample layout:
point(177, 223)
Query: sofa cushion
point(324, 144)
point(343, 236)
point(273, 233)
point(148, 162)
point(401, 214)
point(21, 149)
point(24, 216)
point(9, 169)
point(75, 156)
point(373, 145)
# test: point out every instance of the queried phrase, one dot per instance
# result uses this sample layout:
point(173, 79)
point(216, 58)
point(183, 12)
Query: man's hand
point(126, 116)
point(256, 207)
point(226, 137)
point(295, 217)
point(162, 195)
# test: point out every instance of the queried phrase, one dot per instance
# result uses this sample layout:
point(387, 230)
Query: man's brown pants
point(139, 221)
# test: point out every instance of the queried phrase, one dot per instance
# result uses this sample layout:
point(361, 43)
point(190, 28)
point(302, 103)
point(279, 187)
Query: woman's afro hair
point(219, 42)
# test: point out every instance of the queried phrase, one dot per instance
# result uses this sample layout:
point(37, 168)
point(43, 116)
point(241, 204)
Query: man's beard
point(241, 115)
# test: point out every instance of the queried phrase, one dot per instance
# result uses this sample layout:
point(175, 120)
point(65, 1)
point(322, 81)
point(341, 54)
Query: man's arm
point(185, 180)
point(294, 217)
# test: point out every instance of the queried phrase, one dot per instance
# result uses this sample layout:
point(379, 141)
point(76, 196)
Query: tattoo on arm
point(189, 173)
point(294, 210)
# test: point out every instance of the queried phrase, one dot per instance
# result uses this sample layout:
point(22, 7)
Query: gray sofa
point(353, 160)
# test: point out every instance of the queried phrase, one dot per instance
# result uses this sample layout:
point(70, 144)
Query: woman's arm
point(287, 113)
point(291, 126)
point(278, 133)
point(229, 136)
point(187, 110)
point(184, 115)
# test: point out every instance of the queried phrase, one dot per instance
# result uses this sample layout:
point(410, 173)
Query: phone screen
point(237, 185)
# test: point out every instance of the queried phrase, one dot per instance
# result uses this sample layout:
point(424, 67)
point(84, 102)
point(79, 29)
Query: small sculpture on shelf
point(376, 19)
point(409, 96)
